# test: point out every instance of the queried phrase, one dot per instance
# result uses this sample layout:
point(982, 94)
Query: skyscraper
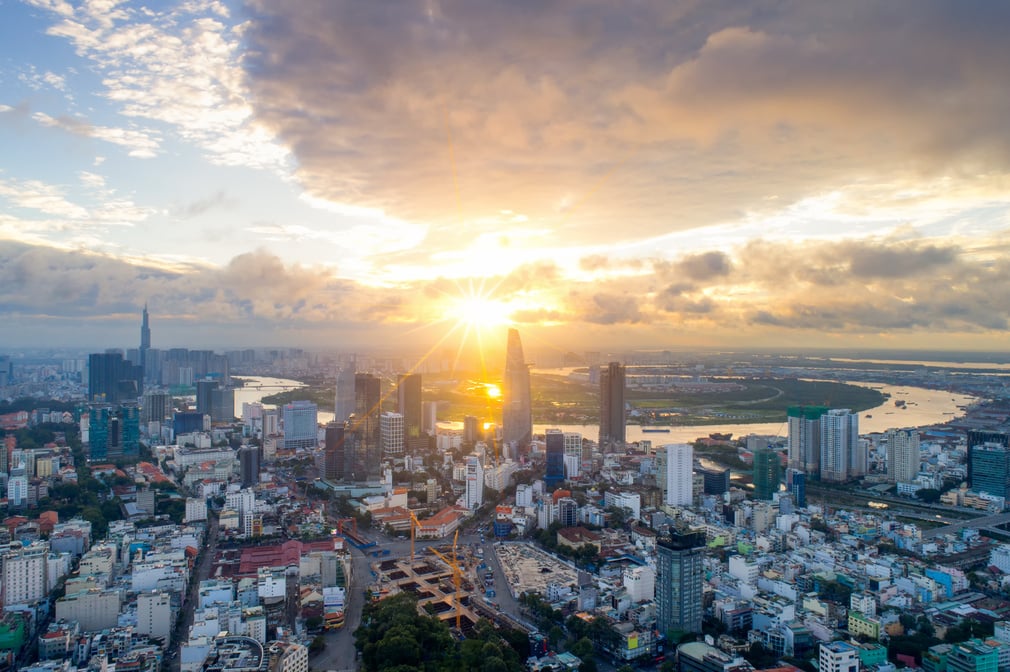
point(300, 425)
point(113, 379)
point(334, 460)
point(408, 404)
point(473, 496)
point(391, 431)
point(679, 576)
point(517, 408)
point(767, 473)
point(679, 474)
point(903, 456)
point(367, 407)
point(146, 358)
point(555, 474)
point(840, 458)
point(249, 465)
point(343, 405)
point(989, 462)
point(805, 438)
point(612, 423)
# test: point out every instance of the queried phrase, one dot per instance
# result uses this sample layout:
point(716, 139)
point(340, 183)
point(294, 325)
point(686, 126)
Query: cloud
point(141, 144)
point(671, 117)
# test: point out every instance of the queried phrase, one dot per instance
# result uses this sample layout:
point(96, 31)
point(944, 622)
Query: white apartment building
point(391, 433)
point(679, 469)
point(155, 615)
point(25, 573)
point(473, 497)
point(640, 582)
point(196, 509)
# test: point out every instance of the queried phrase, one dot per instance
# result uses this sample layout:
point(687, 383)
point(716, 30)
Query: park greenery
point(395, 637)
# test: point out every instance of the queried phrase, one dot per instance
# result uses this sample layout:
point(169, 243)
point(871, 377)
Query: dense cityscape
point(156, 520)
point(504, 336)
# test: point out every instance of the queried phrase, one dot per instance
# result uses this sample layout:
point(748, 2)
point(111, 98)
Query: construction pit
point(430, 580)
point(529, 570)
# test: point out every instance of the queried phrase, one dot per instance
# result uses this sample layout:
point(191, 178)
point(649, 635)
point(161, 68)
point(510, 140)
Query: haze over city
point(336, 173)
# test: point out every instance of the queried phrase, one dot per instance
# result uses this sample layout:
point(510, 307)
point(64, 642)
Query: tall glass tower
point(612, 422)
point(517, 407)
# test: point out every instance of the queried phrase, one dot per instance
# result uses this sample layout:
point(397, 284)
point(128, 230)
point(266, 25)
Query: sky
point(655, 173)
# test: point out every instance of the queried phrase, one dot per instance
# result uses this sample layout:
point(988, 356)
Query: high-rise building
point(157, 406)
point(767, 473)
point(343, 406)
point(113, 379)
point(903, 456)
point(840, 446)
point(300, 425)
point(555, 448)
point(471, 429)
point(473, 496)
point(114, 433)
point(391, 432)
point(796, 481)
point(612, 420)
point(679, 474)
point(989, 462)
point(714, 481)
point(517, 405)
point(249, 465)
point(805, 438)
point(568, 512)
point(155, 616)
point(24, 574)
point(145, 332)
point(367, 408)
point(679, 575)
point(334, 460)
point(573, 455)
point(408, 403)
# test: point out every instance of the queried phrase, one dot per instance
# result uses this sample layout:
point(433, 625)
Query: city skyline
point(674, 176)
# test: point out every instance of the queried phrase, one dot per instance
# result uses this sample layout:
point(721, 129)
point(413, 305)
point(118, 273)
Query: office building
point(473, 496)
point(555, 473)
point(215, 400)
point(679, 575)
point(249, 465)
point(365, 423)
point(343, 405)
point(612, 420)
point(391, 432)
point(903, 456)
point(114, 433)
point(334, 458)
point(767, 473)
point(517, 404)
point(715, 481)
point(568, 512)
point(679, 474)
point(300, 425)
point(796, 482)
point(112, 379)
point(471, 430)
point(840, 446)
point(804, 443)
point(408, 404)
point(989, 462)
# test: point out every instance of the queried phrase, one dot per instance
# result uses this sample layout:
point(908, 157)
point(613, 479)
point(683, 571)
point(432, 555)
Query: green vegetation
point(394, 636)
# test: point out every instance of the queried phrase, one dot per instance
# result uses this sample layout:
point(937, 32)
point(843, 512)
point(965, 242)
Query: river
point(922, 407)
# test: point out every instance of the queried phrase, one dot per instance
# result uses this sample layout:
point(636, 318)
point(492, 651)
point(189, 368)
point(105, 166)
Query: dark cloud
point(867, 260)
point(705, 266)
point(613, 309)
point(610, 123)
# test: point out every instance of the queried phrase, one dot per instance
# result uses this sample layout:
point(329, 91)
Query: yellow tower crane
point(457, 577)
point(414, 524)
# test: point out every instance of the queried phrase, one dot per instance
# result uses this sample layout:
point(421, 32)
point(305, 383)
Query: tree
point(928, 495)
point(317, 645)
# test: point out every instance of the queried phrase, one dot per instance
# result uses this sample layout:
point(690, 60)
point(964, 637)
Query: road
point(204, 562)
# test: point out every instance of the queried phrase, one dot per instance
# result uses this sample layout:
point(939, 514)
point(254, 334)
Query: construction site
point(437, 577)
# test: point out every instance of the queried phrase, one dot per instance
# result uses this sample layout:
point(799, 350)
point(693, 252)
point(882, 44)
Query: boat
point(717, 436)
point(656, 430)
point(868, 415)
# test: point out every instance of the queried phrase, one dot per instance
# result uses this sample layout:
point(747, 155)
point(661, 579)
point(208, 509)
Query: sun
point(492, 390)
point(476, 309)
